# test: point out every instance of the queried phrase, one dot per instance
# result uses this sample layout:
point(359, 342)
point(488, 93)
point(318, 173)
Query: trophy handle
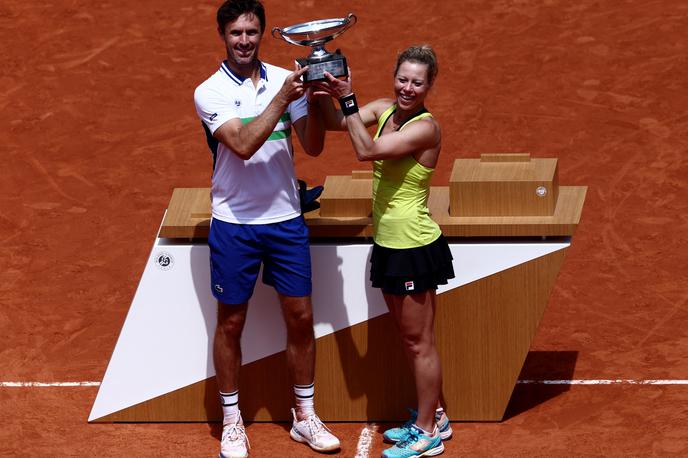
point(280, 34)
point(351, 19)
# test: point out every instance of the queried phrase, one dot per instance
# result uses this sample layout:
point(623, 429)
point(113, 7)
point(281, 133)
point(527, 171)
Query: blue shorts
point(238, 250)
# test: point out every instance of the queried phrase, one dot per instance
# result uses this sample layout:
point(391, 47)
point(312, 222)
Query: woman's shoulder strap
point(384, 117)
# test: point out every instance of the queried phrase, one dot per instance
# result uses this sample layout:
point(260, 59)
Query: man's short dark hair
point(230, 11)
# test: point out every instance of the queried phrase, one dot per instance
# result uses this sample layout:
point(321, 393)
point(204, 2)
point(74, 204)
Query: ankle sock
point(304, 396)
point(230, 406)
point(432, 433)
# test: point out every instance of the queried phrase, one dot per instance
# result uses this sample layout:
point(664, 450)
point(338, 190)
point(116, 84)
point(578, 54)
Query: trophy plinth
point(315, 34)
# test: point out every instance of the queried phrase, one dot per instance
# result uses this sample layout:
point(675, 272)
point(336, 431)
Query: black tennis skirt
point(411, 270)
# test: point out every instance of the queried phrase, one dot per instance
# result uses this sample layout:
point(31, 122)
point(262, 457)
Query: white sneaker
point(234, 443)
point(312, 431)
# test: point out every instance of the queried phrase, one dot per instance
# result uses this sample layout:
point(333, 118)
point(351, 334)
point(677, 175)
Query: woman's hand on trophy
point(333, 87)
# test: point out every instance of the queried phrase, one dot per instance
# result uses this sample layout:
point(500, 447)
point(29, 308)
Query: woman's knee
point(418, 343)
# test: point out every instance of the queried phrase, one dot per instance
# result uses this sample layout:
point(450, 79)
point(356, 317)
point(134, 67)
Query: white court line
point(365, 441)
point(521, 382)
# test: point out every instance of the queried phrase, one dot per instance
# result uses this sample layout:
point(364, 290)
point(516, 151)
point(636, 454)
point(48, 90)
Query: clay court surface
point(98, 126)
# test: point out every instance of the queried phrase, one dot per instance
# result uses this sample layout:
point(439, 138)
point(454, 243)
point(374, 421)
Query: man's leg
point(235, 259)
point(307, 427)
point(227, 345)
point(287, 267)
point(227, 359)
point(298, 318)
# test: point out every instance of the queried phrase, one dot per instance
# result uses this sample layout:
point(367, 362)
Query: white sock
point(438, 413)
point(230, 406)
point(432, 433)
point(304, 395)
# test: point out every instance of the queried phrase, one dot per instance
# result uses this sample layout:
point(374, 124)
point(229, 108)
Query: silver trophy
point(315, 34)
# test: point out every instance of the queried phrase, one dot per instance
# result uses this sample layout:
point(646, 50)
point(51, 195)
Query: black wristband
point(348, 104)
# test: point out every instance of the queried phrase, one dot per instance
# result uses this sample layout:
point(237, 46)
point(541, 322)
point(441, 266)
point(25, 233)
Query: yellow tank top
point(401, 187)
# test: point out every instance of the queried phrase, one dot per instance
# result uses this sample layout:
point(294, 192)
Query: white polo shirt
point(261, 190)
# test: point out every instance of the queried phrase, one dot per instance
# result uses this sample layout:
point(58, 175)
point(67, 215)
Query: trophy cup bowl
point(315, 34)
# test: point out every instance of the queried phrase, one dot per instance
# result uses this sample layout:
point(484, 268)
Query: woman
point(410, 256)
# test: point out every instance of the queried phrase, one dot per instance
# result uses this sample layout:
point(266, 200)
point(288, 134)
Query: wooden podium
point(496, 207)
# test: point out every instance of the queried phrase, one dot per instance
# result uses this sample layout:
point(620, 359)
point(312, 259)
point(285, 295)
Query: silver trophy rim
point(316, 33)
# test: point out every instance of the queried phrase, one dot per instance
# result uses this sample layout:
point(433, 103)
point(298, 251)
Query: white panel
point(473, 261)
point(166, 340)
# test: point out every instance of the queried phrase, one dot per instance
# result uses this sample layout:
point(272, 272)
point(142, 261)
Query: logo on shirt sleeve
point(213, 116)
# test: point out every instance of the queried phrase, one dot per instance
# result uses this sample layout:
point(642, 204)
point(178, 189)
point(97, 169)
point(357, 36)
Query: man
point(248, 109)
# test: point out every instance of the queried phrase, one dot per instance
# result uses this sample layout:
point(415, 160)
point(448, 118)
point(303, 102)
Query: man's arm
point(334, 119)
point(311, 129)
point(246, 139)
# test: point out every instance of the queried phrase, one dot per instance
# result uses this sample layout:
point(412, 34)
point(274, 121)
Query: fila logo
point(409, 286)
point(213, 116)
point(349, 103)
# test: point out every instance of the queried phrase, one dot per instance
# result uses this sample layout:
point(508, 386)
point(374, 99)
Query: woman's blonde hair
point(422, 54)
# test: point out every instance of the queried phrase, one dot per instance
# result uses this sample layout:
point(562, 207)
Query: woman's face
point(411, 85)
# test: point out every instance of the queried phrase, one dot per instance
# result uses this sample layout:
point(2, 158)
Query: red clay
point(98, 127)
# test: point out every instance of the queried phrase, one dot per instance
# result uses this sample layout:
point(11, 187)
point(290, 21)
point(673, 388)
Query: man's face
point(242, 39)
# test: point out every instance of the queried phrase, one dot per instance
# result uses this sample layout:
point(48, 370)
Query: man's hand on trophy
point(293, 87)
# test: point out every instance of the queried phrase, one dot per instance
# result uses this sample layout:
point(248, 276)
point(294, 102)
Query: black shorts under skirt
point(411, 270)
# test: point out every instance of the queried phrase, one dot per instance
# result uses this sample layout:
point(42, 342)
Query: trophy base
point(335, 64)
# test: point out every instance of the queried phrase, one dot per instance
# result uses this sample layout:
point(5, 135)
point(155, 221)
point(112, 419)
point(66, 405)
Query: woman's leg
point(414, 315)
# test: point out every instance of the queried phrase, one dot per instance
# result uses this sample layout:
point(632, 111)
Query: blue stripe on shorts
point(238, 250)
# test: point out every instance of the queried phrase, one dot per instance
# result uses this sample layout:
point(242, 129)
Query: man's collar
point(238, 79)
